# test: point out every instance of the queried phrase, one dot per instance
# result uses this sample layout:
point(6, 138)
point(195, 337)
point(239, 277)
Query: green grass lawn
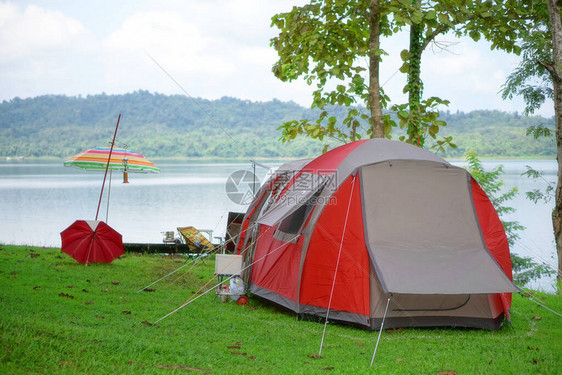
point(60, 317)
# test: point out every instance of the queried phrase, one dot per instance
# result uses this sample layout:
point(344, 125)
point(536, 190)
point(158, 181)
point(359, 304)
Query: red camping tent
point(373, 219)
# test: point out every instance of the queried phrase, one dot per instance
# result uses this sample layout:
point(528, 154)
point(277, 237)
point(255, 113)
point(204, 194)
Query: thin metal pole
point(337, 266)
point(254, 183)
point(108, 196)
point(380, 331)
point(90, 248)
point(107, 166)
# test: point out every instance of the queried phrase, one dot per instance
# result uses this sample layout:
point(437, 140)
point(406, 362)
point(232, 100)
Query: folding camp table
point(227, 266)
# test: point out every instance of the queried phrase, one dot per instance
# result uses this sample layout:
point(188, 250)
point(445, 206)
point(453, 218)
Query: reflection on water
point(39, 199)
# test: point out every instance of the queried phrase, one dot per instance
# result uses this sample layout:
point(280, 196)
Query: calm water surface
point(39, 199)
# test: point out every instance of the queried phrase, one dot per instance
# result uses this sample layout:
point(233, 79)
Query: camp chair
point(199, 246)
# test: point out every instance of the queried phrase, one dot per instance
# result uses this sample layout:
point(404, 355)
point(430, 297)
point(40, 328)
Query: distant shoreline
point(209, 158)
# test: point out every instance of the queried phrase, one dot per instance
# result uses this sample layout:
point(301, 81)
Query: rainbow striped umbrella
point(121, 160)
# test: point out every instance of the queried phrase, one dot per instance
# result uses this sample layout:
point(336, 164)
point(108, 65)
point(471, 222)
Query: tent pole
point(337, 266)
point(254, 184)
point(107, 166)
point(380, 331)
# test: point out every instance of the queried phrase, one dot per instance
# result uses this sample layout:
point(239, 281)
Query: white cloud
point(196, 60)
point(212, 48)
point(171, 39)
point(467, 70)
point(36, 32)
point(42, 51)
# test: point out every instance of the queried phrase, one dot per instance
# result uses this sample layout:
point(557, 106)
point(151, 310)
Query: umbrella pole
point(107, 166)
point(90, 248)
point(108, 195)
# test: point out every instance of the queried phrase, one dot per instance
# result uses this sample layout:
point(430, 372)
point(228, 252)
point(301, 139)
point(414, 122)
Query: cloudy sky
point(212, 48)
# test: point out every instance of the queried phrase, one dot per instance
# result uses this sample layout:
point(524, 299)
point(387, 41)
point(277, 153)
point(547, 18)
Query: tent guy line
point(337, 266)
point(336, 274)
point(193, 298)
point(534, 299)
point(221, 127)
point(538, 256)
point(168, 275)
point(192, 264)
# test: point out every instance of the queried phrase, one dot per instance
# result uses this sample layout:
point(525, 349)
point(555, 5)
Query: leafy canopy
point(326, 43)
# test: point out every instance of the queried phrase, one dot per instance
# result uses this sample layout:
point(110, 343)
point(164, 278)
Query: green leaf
point(405, 55)
point(403, 115)
point(474, 35)
point(433, 130)
point(417, 17)
point(443, 18)
point(431, 15)
point(539, 131)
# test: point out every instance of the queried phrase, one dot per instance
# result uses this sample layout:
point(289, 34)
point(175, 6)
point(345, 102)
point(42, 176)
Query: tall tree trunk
point(556, 73)
point(415, 85)
point(374, 102)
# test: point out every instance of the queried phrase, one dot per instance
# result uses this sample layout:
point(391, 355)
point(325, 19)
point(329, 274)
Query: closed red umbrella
point(91, 241)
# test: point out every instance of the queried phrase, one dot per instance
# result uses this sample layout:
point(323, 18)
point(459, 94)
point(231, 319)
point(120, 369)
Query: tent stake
point(380, 331)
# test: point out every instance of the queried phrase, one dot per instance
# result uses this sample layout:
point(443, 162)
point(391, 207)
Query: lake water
point(39, 199)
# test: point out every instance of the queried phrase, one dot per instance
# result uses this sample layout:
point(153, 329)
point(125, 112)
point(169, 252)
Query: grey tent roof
point(423, 233)
point(382, 150)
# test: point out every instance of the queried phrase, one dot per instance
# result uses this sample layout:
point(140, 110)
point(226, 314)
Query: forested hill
point(176, 126)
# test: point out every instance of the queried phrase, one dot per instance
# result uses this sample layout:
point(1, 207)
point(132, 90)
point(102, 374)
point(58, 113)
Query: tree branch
point(551, 70)
point(440, 30)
